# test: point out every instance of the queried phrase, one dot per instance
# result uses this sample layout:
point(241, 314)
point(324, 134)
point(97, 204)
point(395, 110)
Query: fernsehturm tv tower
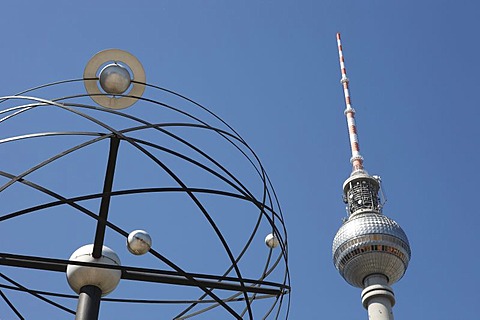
point(370, 250)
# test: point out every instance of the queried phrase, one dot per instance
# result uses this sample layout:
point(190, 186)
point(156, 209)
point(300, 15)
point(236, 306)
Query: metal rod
point(88, 306)
point(178, 280)
point(104, 205)
point(151, 275)
point(36, 295)
point(10, 304)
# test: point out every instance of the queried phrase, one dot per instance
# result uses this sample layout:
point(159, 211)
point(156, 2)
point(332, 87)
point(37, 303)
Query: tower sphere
point(370, 243)
point(114, 79)
point(105, 279)
point(139, 242)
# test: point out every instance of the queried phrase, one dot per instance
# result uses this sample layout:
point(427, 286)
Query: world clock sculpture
point(143, 203)
point(370, 250)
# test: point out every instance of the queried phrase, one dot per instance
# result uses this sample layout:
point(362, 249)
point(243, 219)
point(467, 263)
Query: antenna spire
point(356, 159)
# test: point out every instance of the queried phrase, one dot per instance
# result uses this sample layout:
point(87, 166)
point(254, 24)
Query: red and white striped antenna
point(357, 159)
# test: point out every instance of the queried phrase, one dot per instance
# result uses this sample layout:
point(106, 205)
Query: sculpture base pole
point(378, 298)
point(88, 303)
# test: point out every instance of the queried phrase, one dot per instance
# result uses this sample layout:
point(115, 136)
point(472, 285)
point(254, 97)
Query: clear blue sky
point(270, 69)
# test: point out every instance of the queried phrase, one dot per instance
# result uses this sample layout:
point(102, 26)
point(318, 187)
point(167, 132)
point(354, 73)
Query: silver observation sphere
point(370, 243)
point(114, 79)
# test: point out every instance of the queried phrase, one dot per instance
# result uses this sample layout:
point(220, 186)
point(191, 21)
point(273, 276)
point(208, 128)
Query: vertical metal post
point(89, 299)
point(104, 205)
point(88, 303)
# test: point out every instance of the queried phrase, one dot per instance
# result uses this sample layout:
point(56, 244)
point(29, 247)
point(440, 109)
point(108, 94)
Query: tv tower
point(370, 250)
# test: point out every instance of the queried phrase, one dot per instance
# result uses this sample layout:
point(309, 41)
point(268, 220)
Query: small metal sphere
point(271, 241)
point(114, 79)
point(370, 243)
point(139, 242)
point(105, 279)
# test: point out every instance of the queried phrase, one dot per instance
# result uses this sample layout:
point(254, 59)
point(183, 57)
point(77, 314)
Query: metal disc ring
point(90, 78)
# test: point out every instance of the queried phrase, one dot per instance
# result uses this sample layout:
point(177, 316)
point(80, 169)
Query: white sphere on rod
point(103, 278)
point(139, 242)
point(114, 79)
point(271, 241)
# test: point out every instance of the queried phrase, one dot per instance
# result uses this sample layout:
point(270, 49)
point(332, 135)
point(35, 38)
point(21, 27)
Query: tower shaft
point(378, 298)
point(379, 308)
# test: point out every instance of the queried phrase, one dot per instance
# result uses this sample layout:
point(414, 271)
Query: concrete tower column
point(378, 298)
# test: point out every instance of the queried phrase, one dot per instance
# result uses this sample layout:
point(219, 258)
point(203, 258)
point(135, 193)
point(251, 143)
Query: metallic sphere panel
point(139, 242)
point(368, 244)
point(114, 79)
point(363, 224)
point(271, 241)
point(105, 279)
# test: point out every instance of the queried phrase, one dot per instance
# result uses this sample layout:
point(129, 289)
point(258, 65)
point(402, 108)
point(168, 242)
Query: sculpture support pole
point(378, 298)
point(88, 303)
point(104, 205)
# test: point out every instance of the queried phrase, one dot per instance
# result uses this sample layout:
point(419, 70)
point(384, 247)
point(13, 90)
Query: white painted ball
point(103, 278)
point(139, 242)
point(271, 241)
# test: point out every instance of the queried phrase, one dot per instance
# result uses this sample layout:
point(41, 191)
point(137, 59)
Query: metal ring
point(90, 78)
